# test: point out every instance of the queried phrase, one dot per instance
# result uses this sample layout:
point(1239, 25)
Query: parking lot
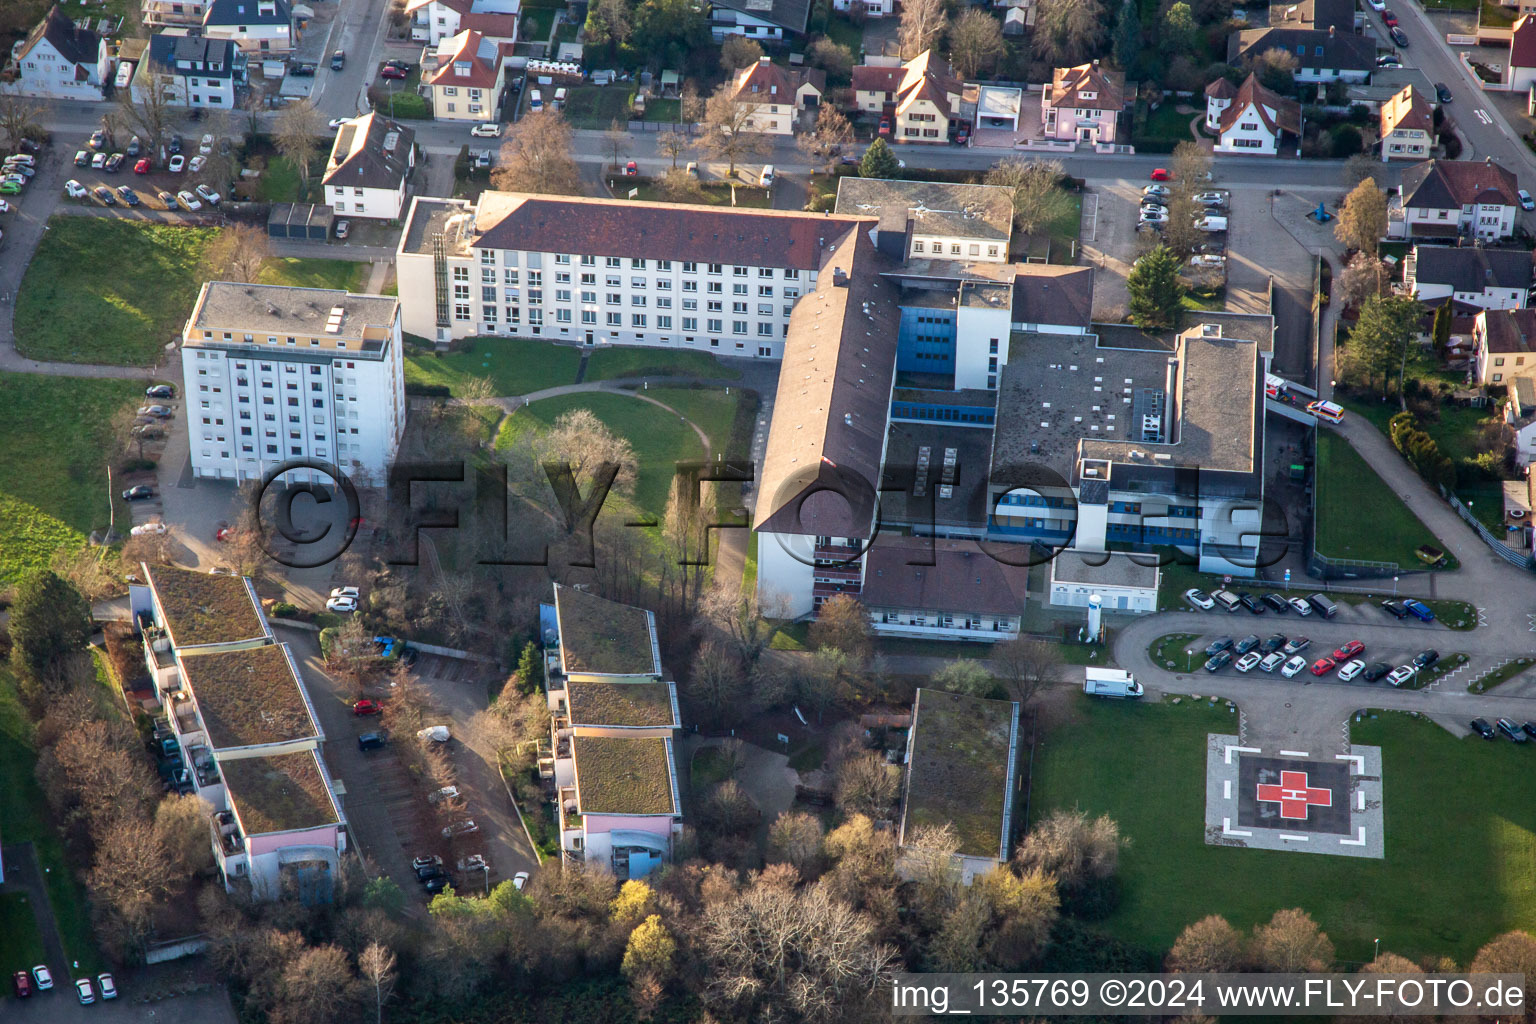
point(158, 177)
point(1119, 239)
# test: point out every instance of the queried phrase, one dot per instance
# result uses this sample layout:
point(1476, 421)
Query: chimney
point(839, 277)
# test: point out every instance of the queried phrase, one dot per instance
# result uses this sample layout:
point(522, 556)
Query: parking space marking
point(1090, 228)
point(1482, 115)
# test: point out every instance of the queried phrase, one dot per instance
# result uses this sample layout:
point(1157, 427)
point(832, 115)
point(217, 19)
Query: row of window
point(936, 248)
point(510, 258)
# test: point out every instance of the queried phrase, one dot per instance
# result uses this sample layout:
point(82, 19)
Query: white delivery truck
point(1111, 682)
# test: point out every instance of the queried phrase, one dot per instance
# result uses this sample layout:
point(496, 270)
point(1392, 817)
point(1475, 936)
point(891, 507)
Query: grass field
point(24, 817)
point(1346, 484)
point(20, 943)
point(615, 362)
point(715, 193)
point(348, 275)
point(592, 106)
point(53, 477)
point(101, 290)
point(712, 411)
point(1460, 834)
point(660, 439)
point(515, 366)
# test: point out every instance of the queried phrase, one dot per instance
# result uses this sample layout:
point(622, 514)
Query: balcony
point(226, 833)
point(570, 818)
point(205, 766)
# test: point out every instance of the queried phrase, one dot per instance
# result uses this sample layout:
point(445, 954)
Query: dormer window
point(461, 67)
point(1089, 95)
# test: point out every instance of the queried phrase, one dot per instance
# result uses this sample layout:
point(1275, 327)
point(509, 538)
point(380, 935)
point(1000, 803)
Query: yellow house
point(920, 97)
point(467, 82)
point(1407, 127)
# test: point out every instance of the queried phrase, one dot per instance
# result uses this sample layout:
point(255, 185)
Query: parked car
point(1248, 662)
point(104, 195)
point(205, 145)
point(343, 228)
point(174, 146)
point(85, 991)
point(519, 880)
point(420, 862)
point(1293, 668)
point(1296, 644)
point(128, 195)
point(159, 391)
point(82, 158)
point(1218, 662)
point(1246, 644)
point(631, 170)
point(1400, 675)
point(370, 741)
point(1202, 260)
point(1388, 60)
point(1199, 598)
point(437, 796)
point(885, 127)
point(1211, 199)
point(1442, 92)
point(1253, 604)
point(107, 985)
point(1350, 669)
point(188, 201)
point(462, 827)
point(148, 530)
point(1299, 605)
point(1155, 190)
point(159, 412)
point(1378, 5)
point(1399, 37)
point(1419, 610)
point(366, 707)
point(429, 871)
point(1389, 18)
point(1322, 666)
point(1277, 602)
point(1375, 671)
point(344, 605)
point(1271, 662)
point(167, 199)
point(488, 130)
point(1217, 645)
point(338, 60)
point(1482, 728)
point(1153, 215)
point(139, 493)
point(74, 189)
point(1526, 202)
point(393, 71)
point(21, 984)
point(1530, 729)
point(114, 163)
point(43, 976)
point(1396, 610)
point(1510, 729)
point(1348, 651)
point(208, 194)
point(177, 164)
point(1272, 643)
point(346, 592)
point(433, 886)
point(1161, 174)
point(142, 167)
point(1424, 659)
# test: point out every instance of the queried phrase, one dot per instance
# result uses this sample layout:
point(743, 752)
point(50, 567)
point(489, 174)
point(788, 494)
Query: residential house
point(920, 96)
point(1218, 97)
point(1083, 104)
point(167, 13)
point(1520, 414)
point(605, 271)
point(1323, 55)
point(274, 374)
point(1504, 346)
point(1122, 582)
point(962, 758)
point(1452, 198)
point(58, 60)
point(371, 161)
point(191, 71)
point(259, 27)
point(468, 80)
point(1256, 121)
point(244, 733)
point(613, 723)
point(870, 8)
point(1407, 126)
point(939, 590)
point(1469, 275)
point(771, 96)
point(432, 21)
point(769, 21)
point(1522, 55)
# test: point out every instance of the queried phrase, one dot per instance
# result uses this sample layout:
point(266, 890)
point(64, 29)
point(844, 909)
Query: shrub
point(427, 390)
point(284, 610)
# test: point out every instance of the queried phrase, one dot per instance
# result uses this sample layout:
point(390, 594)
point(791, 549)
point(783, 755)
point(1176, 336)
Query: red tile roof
point(1509, 330)
point(1522, 44)
point(1274, 110)
point(768, 82)
point(1068, 85)
point(467, 59)
point(1406, 111)
point(1221, 89)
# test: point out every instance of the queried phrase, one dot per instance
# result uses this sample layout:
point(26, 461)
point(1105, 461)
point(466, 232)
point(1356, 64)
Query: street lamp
point(1377, 955)
point(1394, 594)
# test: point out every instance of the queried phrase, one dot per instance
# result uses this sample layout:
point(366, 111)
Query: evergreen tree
point(1442, 330)
point(1127, 42)
point(879, 161)
point(49, 622)
point(1156, 292)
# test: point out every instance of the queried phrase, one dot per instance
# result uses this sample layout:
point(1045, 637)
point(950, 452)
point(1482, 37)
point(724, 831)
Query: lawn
point(101, 290)
point(1163, 129)
point(1493, 15)
point(615, 362)
point(1346, 484)
point(515, 366)
point(666, 111)
point(24, 817)
point(1460, 834)
point(19, 941)
point(348, 275)
point(1197, 300)
point(712, 411)
point(53, 477)
point(841, 30)
point(594, 106)
point(280, 182)
point(1177, 649)
point(660, 439)
point(537, 25)
point(715, 193)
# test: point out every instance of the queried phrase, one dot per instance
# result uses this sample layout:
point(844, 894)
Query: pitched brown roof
point(1509, 330)
point(829, 417)
point(1068, 85)
point(1407, 111)
point(956, 576)
point(768, 82)
point(1050, 294)
point(1221, 89)
point(1522, 43)
point(921, 78)
point(668, 231)
point(1273, 110)
point(370, 152)
point(467, 59)
point(869, 78)
point(1452, 184)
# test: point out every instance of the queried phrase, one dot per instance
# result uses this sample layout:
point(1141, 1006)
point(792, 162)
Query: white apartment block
point(273, 374)
point(608, 272)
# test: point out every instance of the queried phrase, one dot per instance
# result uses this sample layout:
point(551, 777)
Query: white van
point(1326, 411)
point(560, 98)
point(1210, 223)
point(767, 177)
point(1112, 682)
point(535, 101)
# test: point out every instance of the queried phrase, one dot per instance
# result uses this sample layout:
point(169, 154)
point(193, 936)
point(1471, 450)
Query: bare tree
point(1291, 943)
point(616, 141)
point(1192, 166)
point(608, 22)
point(18, 119)
point(1210, 944)
point(1077, 849)
point(867, 785)
point(671, 143)
point(825, 142)
point(537, 157)
point(796, 837)
point(678, 186)
point(181, 826)
point(716, 687)
point(237, 253)
point(976, 43)
point(149, 115)
point(842, 624)
point(1026, 666)
point(691, 104)
point(728, 128)
point(750, 623)
point(832, 57)
point(922, 26)
point(1363, 217)
point(1510, 953)
point(739, 52)
point(318, 987)
point(1038, 198)
point(581, 440)
point(352, 654)
point(1067, 31)
point(127, 894)
point(1365, 277)
point(296, 134)
point(377, 966)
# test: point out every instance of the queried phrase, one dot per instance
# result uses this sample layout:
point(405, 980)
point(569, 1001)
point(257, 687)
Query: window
point(715, 288)
point(488, 314)
point(917, 246)
point(615, 299)
point(716, 268)
point(690, 323)
point(738, 289)
point(461, 273)
point(712, 325)
point(664, 266)
point(765, 330)
point(637, 264)
point(615, 319)
point(690, 267)
point(589, 316)
point(637, 282)
point(738, 327)
point(562, 316)
point(562, 259)
point(461, 311)
point(637, 320)
point(690, 286)
point(612, 261)
point(637, 300)
point(664, 323)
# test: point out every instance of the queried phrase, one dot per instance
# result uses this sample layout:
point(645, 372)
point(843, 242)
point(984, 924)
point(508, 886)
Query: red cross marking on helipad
point(1294, 795)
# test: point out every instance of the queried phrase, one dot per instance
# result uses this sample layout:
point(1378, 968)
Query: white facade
point(981, 345)
point(1067, 592)
point(47, 72)
point(1249, 135)
point(738, 23)
point(266, 29)
point(256, 398)
point(1490, 222)
point(376, 203)
point(204, 74)
point(784, 572)
point(871, 8)
point(432, 21)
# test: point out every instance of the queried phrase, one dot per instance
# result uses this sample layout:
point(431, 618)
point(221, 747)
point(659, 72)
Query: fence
point(1504, 551)
point(662, 126)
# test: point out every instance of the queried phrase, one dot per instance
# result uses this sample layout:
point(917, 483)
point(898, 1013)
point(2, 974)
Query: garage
point(300, 221)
